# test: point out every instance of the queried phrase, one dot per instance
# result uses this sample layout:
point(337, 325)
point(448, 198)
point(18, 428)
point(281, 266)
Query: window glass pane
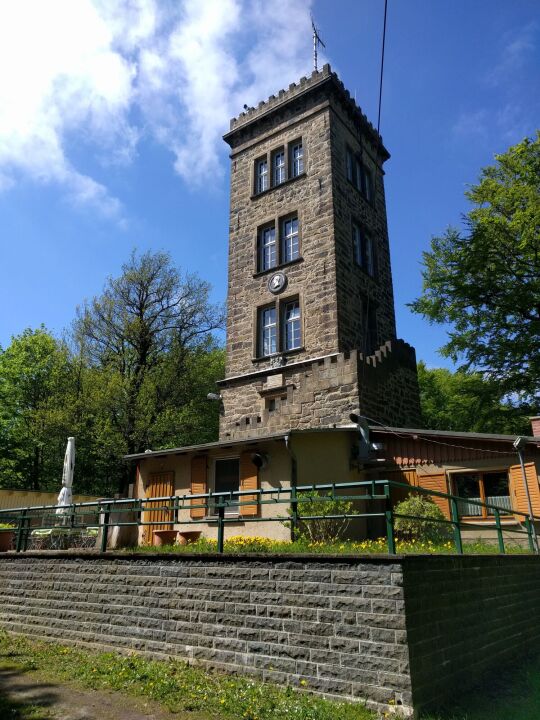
point(368, 255)
point(367, 184)
point(262, 176)
point(467, 486)
point(496, 490)
point(292, 338)
point(349, 166)
point(227, 478)
point(358, 174)
point(268, 331)
point(297, 160)
point(279, 168)
point(290, 248)
point(267, 248)
point(357, 244)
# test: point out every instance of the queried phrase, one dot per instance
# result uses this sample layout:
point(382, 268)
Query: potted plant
point(7, 533)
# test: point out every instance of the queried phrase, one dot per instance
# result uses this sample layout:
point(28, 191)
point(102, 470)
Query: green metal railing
point(78, 518)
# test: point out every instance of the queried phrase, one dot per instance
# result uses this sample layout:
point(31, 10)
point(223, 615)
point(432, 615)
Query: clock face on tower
point(277, 282)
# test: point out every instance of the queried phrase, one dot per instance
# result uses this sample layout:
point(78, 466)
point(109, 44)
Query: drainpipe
point(294, 481)
point(519, 444)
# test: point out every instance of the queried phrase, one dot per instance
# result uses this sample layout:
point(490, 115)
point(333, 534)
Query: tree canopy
point(133, 374)
point(485, 280)
point(468, 402)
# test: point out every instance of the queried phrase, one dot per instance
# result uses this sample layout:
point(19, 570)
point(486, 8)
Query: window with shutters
point(486, 487)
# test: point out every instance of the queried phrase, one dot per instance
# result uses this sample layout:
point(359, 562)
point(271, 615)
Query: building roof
point(406, 434)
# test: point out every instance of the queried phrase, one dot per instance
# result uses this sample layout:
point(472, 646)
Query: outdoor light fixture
point(214, 396)
point(260, 460)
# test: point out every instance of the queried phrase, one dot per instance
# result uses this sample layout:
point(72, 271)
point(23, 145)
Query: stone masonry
point(412, 630)
point(336, 295)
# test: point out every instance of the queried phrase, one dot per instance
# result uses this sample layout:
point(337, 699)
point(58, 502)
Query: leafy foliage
point(468, 402)
point(322, 530)
point(485, 282)
point(420, 526)
point(132, 377)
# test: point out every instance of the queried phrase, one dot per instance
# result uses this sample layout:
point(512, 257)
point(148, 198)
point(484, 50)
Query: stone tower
point(311, 331)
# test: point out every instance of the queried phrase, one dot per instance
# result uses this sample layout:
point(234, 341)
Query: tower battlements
point(317, 79)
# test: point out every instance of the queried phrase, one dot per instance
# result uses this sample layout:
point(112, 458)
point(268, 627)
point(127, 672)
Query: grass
point(240, 544)
point(176, 685)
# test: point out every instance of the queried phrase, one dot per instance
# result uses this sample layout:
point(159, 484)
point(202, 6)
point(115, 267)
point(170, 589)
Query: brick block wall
point(338, 625)
point(467, 616)
point(414, 630)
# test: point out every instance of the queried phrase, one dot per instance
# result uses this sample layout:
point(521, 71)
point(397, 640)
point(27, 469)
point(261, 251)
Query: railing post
point(20, 531)
point(221, 525)
point(457, 529)
point(499, 531)
point(294, 513)
point(104, 528)
point(530, 533)
point(389, 516)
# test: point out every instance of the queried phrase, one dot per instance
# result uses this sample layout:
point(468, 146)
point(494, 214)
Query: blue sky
point(111, 116)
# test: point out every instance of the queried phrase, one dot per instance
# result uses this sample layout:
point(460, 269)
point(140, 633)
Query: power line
point(382, 66)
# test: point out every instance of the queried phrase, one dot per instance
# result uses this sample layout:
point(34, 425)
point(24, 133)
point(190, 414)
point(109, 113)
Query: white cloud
point(102, 75)
point(519, 46)
point(471, 123)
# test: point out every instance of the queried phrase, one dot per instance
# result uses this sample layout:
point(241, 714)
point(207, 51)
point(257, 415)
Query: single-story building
point(472, 466)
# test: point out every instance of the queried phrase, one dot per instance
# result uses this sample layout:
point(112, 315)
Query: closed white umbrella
point(66, 498)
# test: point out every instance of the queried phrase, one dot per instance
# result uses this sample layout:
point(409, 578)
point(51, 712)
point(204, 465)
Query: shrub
point(417, 528)
point(7, 526)
point(326, 530)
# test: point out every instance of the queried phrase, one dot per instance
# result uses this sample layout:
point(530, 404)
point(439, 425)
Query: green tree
point(145, 330)
point(467, 402)
point(485, 281)
point(34, 374)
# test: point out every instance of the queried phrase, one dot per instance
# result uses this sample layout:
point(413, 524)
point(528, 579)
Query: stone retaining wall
point(403, 629)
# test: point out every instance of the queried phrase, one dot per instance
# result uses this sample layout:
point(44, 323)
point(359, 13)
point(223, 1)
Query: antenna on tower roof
point(316, 42)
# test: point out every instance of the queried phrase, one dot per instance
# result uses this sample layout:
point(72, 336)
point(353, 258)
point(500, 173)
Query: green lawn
point(175, 685)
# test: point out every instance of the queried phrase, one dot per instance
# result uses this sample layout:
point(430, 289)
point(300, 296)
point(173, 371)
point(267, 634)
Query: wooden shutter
point(159, 485)
point(517, 488)
point(199, 485)
point(249, 480)
point(402, 476)
point(437, 482)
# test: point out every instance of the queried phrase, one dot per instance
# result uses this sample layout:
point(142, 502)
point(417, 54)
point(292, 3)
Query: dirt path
point(32, 696)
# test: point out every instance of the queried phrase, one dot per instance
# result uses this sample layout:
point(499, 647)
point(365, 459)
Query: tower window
point(267, 248)
point(371, 331)
point(367, 184)
point(273, 251)
point(363, 251)
point(279, 167)
point(262, 175)
point(289, 240)
point(279, 328)
point(291, 326)
point(297, 159)
point(268, 331)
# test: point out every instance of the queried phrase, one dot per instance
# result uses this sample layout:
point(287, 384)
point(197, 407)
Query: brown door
point(160, 485)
